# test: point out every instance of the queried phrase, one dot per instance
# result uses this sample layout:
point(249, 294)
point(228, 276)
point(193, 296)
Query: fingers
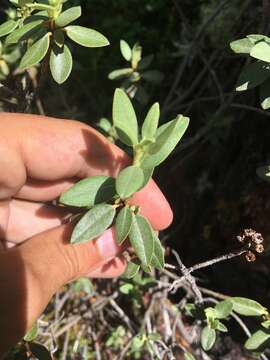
point(31, 273)
point(27, 219)
point(54, 152)
point(113, 268)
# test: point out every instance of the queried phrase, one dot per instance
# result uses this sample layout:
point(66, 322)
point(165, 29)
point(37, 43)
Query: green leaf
point(224, 309)
point(68, 16)
point(129, 181)
point(158, 259)
point(24, 32)
point(89, 192)
point(265, 95)
point(36, 52)
point(247, 307)
point(132, 269)
point(252, 75)
point(136, 55)
point(150, 124)
point(60, 63)
point(242, 46)
point(124, 118)
point(39, 351)
point(125, 50)
point(123, 224)
point(8, 26)
point(141, 238)
point(147, 175)
point(261, 51)
point(153, 76)
point(255, 38)
point(126, 288)
point(221, 327)
point(32, 333)
point(258, 339)
point(208, 338)
point(120, 73)
point(168, 135)
point(266, 324)
point(86, 37)
point(188, 356)
point(83, 284)
point(93, 223)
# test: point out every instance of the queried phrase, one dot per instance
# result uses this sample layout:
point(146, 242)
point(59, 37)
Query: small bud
point(259, 248)
point(250, 256)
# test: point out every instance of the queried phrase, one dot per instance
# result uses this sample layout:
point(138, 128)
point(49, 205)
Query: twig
point(189, 278)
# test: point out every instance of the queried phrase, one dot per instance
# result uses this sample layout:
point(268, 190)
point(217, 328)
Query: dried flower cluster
point(254, 242)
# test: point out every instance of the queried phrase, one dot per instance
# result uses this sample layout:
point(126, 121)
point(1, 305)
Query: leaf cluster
point(42, 29)
point(137, 73)
point(107, 200)
point(256, 73)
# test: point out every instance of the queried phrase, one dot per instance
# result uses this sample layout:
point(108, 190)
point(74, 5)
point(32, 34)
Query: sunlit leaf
point(90, 191)
point(60, 63)
point(68, 16)
point(93, 223)
point(129, 181)
point(150, 124)
point(86, 37)
point(8, 26)
point(141, 239)
point(168, 135)
point(224, 309)
point(24, 32)
point(261, 51)
point(123, 224)
point(158, 259)
point(242, 46)
point(124, 118)
point(208, 338)
point(36, 52)
point(32, 333)
point(120, 73)
point(247, 307)
point(258, 339)
point(125, 50)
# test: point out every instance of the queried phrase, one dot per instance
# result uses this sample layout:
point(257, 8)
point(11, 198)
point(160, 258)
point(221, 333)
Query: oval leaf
point(86, 37)
point(258, 339)
point(36, 52)
point(141, 238)
point(223, 309)
point(168, 135)
point(123, 224)
point(124, 118)
point(60, 63)
point(68, 16)
point(153, 76)
point(247, 307)
point(241, 46)
point(93, 223)
point(125, 50)
point(261, 51)
point(132, 269)
point(120, 73)
point(129, 181)
point(89, 192)
point(253, 75)
point(208, 338)
point(150, 124)
point(188, 356)
point(8, 27)
point(23, 32)
point(32, 333)
point(158, 260)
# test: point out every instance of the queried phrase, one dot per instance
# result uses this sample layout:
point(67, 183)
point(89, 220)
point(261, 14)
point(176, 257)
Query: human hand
point(40, 158)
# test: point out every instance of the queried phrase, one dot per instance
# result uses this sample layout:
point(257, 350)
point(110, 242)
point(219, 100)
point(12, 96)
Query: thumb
point(31, 273)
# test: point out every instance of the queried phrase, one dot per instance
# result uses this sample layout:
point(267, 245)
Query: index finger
point(46, 154)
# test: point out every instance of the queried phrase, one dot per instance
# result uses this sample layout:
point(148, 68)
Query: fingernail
point(107, 244)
